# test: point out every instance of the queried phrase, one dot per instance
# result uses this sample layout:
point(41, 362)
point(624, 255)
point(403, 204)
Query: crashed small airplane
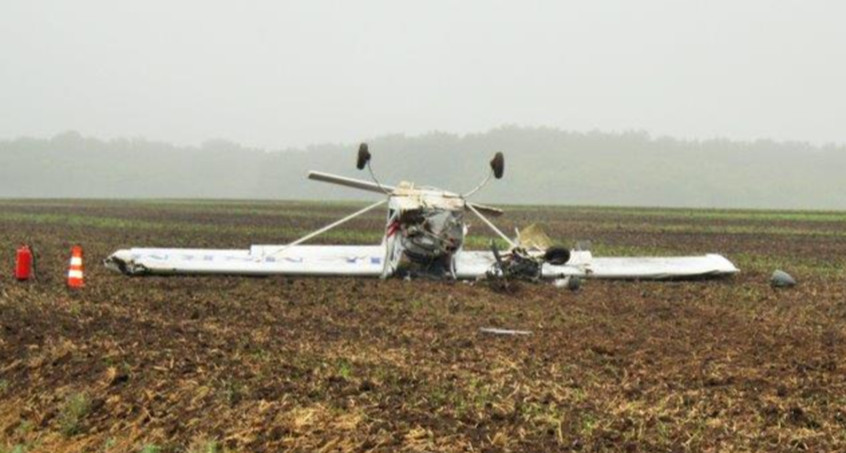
point(424, 235)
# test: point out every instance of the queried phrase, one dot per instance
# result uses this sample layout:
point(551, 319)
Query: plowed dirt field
point(205, 364)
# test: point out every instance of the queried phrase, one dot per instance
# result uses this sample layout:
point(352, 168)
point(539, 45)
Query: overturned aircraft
point(424, 233)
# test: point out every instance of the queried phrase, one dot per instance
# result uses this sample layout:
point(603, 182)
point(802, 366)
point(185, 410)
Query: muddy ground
point(206, 364)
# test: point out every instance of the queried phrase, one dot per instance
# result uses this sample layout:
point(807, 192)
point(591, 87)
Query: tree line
point(543, 166)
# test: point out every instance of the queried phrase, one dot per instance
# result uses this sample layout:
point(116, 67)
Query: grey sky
point(277, 74)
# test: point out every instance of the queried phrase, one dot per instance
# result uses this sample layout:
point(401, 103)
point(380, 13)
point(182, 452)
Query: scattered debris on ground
point(781, 279)
point(496, 331)
point(571, 282)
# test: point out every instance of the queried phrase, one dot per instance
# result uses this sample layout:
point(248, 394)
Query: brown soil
point(271, 364)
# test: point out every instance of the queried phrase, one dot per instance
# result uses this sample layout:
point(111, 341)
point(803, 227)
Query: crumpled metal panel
point(406, 197)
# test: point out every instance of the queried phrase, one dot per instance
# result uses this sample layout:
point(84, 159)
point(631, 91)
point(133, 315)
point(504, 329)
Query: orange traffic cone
point(75, 277)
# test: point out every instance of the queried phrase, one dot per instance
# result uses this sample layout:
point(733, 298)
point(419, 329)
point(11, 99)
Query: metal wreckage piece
point(525, 261)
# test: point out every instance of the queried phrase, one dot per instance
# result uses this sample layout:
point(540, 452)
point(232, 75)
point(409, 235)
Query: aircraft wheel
point(557, 256)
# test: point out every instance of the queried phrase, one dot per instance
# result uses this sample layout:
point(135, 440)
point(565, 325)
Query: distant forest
point(543, 166)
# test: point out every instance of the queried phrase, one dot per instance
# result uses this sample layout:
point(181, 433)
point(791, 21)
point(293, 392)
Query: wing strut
point(491, 225)
point(316, 233)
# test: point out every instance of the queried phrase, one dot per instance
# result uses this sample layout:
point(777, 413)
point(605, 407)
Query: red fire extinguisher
point(24, 264)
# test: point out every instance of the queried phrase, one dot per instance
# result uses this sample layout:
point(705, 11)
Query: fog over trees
point(543, 166)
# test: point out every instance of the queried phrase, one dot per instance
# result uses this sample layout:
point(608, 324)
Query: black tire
point(498, 165)
point(557, 256)
point(363, 156)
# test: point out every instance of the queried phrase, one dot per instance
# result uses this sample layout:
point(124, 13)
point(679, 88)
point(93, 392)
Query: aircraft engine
point(431, 234)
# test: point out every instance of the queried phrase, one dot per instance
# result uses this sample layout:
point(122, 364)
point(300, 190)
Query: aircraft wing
point(662, 268)
point(317, 260)
point(369, 261)
point(474, 264)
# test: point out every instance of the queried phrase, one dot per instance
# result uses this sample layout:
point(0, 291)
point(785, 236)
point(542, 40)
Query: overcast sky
point(278, 74)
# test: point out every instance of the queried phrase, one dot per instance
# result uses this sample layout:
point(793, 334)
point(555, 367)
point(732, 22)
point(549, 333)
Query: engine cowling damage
point(425, 230)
